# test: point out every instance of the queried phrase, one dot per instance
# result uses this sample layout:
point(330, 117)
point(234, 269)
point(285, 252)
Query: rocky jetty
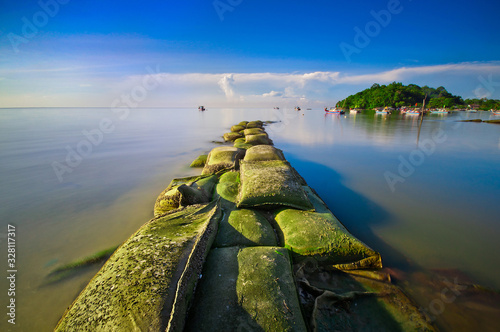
point(245, 246)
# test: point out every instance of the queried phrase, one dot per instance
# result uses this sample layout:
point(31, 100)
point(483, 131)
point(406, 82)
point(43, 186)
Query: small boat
point(335, 110)
point(440, 111)
point(471, 110)
point(297, 108)
point(201, 108)
point(412, 112)
point(386, 110)
point(354, 110)
point(276, 108)
point(495, 112)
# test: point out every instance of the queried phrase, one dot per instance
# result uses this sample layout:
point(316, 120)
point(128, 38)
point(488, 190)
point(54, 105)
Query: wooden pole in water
point(421, 118)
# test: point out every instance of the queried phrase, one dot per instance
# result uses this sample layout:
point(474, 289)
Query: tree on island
point(398, 95)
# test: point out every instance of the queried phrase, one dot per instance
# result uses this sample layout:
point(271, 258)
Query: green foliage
point(483, 104)
point(399, 95)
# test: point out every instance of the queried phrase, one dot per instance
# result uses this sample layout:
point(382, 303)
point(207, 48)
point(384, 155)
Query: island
point(397, 95)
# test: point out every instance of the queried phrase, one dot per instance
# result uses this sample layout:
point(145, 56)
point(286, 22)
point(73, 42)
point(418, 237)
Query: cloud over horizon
point(259, 89)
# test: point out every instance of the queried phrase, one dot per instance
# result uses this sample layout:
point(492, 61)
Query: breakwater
point(246, 245)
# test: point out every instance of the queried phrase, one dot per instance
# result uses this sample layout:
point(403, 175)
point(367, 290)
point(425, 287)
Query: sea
point(425, 194)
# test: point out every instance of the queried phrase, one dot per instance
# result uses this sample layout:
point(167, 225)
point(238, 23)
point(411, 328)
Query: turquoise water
point(75, 181)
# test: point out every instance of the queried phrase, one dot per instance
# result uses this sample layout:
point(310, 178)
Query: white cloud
point(272, 94)
point(311, 89)
point(226, 84)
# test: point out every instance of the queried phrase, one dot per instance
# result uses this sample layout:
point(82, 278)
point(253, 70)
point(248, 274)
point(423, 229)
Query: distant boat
point(335, 110)
point(412, 112)
point(471, 110)
point(440, 111)
point(384, 111)
point(276, 108)
point(308, 109)
point(495, 112)
point(201, 108)
point(297, 108)
point(354, 110)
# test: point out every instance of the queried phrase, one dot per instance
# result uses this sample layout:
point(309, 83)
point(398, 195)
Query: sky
point(241, 53)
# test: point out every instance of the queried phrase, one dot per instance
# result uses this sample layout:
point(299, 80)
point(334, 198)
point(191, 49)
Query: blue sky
point(241, 52)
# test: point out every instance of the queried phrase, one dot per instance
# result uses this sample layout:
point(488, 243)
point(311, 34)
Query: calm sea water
point(76, 181)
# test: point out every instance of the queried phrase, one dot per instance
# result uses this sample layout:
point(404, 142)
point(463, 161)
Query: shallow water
point(440, 213)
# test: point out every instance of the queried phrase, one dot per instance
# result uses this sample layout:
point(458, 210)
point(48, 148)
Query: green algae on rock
point(148, 282)
point(184, 192)
point(228, 186)
point(247, 289)
point(255, 124)
point(257, 139)
point(199, 161)
point(263, 153)
point(242, 145)
point(237, 128)
point(253, 131)
point(244, 228)
point(230, 137)
point(223, 158)
point(322, 236)
point(270, 184)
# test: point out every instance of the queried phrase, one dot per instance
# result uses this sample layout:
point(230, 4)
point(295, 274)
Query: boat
point(440, 111)
point(276, 108)
point(297, 108)
point(335, 110)
point(495, 112)
point(412, 112)
point(354, 110)
point(471, 110)
point(201, 108)
point(386, 110)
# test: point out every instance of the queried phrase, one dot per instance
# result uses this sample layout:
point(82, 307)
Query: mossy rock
point(228, 186)
point(257, 139)
point(245, 228)
point(148, 282)
point(239, 140)
point(185, 191)
point(244, 146)
point(243, 123)
point(321, 236)
point(237, 128)
point(248, 289)
point(200, 161)
point(255, 124)
point(230, 137)
point(253, 131)
point(263, 153)
point(223, 158)
point(270, 184)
